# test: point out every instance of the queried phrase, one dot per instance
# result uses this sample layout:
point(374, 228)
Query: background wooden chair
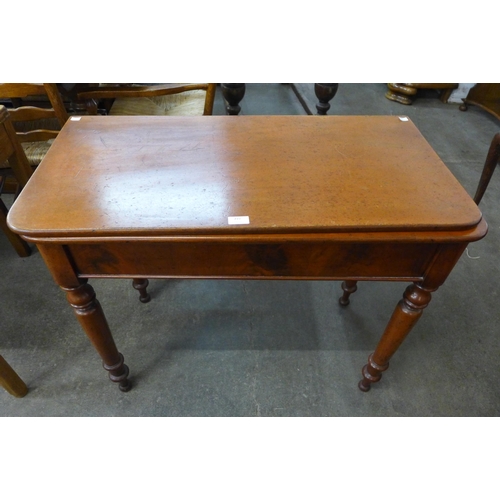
point(490, 164)
point(13, 163)
point(160, 99)
point(11, 381)
point(38, 113)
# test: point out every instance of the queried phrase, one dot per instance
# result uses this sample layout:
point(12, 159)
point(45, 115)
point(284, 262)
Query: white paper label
point(403, 118)
point(75, 118)
point(239, 219)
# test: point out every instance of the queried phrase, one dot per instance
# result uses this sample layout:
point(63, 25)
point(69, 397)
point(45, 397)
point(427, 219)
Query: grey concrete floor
point(271, 348)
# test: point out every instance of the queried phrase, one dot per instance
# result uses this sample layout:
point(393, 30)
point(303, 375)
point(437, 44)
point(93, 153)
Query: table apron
point(292, 260)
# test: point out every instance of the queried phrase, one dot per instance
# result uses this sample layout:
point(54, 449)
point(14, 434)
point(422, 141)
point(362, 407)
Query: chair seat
point(35, 151)
point(189, 103)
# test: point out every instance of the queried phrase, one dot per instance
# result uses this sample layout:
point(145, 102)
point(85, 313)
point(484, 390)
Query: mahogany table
point(255, 197)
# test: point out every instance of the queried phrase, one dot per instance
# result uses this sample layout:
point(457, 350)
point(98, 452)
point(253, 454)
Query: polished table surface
point(250, 197)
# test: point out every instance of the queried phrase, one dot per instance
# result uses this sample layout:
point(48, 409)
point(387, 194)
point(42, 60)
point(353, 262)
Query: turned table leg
point(233, 93)
point(87, 310)
point(404, 318)
point(141, 286)
point(349, 286)
point(91, 317)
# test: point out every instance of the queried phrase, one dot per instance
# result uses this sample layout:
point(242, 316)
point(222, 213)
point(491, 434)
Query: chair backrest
point(41, 112)
point(11, 151)
point(13, 163)
point(156, 94)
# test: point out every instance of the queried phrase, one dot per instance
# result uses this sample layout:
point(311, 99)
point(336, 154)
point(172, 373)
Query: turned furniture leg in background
point(11, 381)
point(349, 286)
point(141, 286)
point(404, 317)
point(233, 93)
point(325, 92)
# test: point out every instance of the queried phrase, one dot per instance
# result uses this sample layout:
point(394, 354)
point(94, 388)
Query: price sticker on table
point(239, 219)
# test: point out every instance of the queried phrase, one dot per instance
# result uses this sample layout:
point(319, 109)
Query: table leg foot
point(349, 287)
point(118, 373)
point(141, 286)
point(403, 319)
point(372, 372)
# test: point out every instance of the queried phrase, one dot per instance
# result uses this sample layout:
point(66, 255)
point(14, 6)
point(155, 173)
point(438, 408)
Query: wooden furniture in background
point(37, 121)
point(486, 96)
point(325, 92)
point(13, 163)
point(171, 99)
point(196, 197)
point(11, 381)
point(233, 94)
point(405, 93)
point(492, 159)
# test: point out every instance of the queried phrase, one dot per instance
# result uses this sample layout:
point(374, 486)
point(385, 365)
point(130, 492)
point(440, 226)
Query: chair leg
point(22, 248)
point(489, 167)
point(11, 381)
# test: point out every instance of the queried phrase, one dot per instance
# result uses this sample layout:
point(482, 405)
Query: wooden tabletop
point(111, 176)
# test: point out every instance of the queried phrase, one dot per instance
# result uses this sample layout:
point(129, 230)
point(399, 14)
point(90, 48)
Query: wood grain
point(111, 176)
